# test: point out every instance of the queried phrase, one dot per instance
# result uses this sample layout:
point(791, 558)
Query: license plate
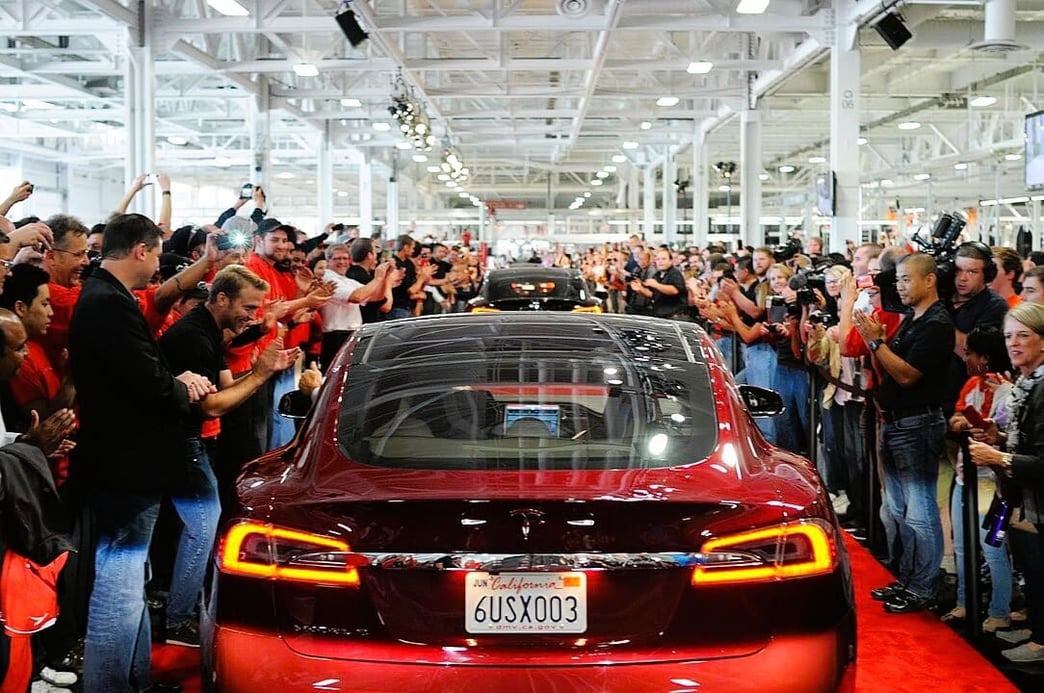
point(525, 603)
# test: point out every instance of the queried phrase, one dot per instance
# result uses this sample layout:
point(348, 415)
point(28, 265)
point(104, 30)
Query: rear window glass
point(507, 287)
point(526, 395)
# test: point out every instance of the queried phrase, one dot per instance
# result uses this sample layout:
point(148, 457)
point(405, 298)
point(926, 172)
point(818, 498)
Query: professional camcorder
point(942, 247)
point(788, 250)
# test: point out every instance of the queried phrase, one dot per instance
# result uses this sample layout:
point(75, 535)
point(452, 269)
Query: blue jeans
point(724, 344)
point(199, 508)
point(118, 648)
point(282, 428)
point(760, 360)
point(792, 424)
point(397, 313)
point(910, 452)
point(996, 558)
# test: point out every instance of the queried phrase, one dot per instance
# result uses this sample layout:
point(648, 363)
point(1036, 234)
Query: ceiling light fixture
point(1012, 157)
point(982, 101)
point(610, 168)
point(619, 158)
point(177, 140)
point(699, 67)
point(922, 176)
point(786, 168)
point(817, 159)
point(861, 140)
point(306, 70)
point(229, 8)
point(909, 125)
point(960, 166)
point(752, 6)
point(667, 101)
point(763, 176)
point(351, 103)
point(596, 181)
point(420, 158)
point(630, 144)
point(645, 125)
point(602, 174)
point(37, 105)
point(381, 126)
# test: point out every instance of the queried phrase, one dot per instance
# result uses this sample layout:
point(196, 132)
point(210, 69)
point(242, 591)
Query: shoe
point(957, 613)
point(992, 625)
point(1020, 616)
point(58, 678)
point(41, 686)
point(185, 633)
point(880, 594)
point(908, 602)
point(1014, 636)
point(1024, 653)
point(72, 661)
point(840, 502)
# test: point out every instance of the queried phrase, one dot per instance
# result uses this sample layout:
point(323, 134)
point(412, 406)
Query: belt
point(893, 415)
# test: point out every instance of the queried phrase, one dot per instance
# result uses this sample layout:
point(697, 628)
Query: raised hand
point(50, 433)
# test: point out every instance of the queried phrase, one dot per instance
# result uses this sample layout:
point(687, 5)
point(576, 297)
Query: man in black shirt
point(363, 270)
point(196, 343)
point(665, 289)
point(405, 295)
point(912, 368)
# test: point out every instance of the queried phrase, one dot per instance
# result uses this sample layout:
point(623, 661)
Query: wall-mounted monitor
point(826, 194)
point(1034, 128)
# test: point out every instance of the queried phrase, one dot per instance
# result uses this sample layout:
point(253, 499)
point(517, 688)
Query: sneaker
point(73, 659)
point(58, 678)
point(185, 633)
point(41, 686)
point(1014, 636)
point(908, 602)
point(840, 502)
point(880, 594)
point(1025, 652)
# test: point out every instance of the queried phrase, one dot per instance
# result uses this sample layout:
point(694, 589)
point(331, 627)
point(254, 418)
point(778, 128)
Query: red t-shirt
point(854, 341)
point(63, 300)
point(37, 379)
point(281, 287)
point(156, 319)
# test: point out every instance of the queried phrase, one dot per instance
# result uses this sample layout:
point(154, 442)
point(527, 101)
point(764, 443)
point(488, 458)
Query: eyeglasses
point(82, 254)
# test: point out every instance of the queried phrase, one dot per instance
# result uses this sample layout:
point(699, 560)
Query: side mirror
point(295, 405)
point(761, 402)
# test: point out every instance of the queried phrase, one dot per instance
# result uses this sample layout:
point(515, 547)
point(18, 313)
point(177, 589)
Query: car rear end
point(472, 556)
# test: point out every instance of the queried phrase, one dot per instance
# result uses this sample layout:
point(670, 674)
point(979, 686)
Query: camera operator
point(637, 301)
point(665, 289)
point(912, 391)
point(790, 378)
point(973, 305)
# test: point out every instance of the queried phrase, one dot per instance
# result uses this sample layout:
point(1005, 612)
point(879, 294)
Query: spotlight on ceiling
point(350, 26)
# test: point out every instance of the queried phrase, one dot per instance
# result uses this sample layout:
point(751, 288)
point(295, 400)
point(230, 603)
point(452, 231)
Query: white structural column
point(648, 201)
point(700, 193)
point(366, 200)
point(845, 66)
point(750, 178)
point(324, 176)
point(670, 197)
point(139, 78)
point(632, 200)
point(260, 138)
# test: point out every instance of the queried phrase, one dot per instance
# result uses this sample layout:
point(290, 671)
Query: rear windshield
point(501, 288)
point(526, 396)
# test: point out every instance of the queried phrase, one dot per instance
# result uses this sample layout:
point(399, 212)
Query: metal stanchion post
point(813, 416)
point(972, 548)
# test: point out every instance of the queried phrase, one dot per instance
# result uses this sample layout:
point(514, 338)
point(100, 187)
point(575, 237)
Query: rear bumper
point(253, 661)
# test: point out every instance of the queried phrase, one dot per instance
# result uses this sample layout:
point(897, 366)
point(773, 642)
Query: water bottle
point(997, 520)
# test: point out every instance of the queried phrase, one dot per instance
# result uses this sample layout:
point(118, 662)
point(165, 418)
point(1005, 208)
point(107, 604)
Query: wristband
point(165, 192)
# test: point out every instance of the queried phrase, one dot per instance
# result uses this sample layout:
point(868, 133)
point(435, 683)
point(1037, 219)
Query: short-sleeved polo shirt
point(925, 343)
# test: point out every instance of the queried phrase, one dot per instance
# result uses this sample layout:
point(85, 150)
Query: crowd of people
point(142, 366)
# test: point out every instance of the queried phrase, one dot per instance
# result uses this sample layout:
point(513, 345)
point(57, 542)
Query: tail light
point(587, 309)
point(265, 551)
point(483, 309)
point(795, 550)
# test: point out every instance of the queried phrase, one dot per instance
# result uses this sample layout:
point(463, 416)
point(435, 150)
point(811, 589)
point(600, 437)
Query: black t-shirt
point(401, 293)
point(985, 309)
point(666, 305)
point(371, 311)
point(925, 343)
point(195, 343)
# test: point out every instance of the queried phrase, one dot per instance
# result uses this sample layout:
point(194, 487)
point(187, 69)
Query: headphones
point(983, 252)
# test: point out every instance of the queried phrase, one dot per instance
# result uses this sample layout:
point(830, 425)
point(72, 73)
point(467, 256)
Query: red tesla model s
point(539, 501)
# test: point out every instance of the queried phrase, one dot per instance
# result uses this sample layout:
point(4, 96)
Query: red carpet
point(912, 653)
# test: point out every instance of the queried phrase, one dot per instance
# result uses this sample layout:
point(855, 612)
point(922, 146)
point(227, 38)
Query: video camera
point(777, 309)
point(804, 282)
point(788, 250)
point(942, 247)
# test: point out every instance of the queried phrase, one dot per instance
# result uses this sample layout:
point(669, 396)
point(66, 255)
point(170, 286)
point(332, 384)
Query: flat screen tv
point(826, 194)
point(1034, 158)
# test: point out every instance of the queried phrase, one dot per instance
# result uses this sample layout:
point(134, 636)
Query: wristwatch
point(875, 344)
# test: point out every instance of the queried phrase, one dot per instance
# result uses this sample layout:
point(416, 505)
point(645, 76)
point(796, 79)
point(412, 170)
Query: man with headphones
point(972, 305)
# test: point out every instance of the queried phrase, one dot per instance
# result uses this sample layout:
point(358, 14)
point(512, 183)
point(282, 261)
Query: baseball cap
point(271, 225)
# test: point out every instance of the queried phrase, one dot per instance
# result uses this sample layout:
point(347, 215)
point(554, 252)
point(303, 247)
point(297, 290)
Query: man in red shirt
point(271, 261)
point(64, 261)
